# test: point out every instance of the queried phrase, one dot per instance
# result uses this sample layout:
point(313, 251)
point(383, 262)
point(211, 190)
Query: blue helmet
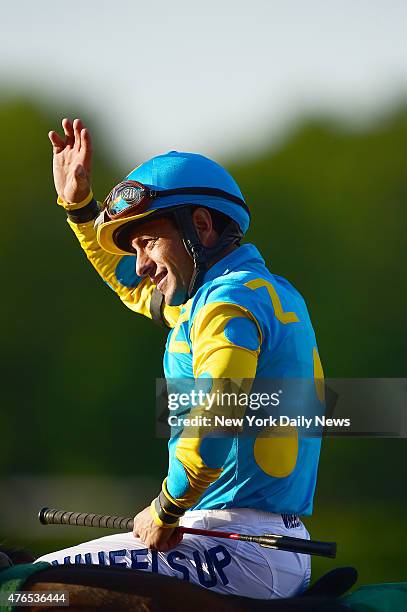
point(174, 183)
point(174, 171)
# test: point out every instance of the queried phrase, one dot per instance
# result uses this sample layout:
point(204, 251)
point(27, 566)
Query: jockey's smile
point(161, 254)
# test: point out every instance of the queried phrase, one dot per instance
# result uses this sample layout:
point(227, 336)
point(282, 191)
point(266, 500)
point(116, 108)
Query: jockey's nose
point(144, 265)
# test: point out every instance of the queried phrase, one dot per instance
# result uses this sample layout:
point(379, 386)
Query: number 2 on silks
point(283, 317)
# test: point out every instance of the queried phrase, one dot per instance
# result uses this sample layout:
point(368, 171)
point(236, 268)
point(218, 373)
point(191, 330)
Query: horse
point(127, 590)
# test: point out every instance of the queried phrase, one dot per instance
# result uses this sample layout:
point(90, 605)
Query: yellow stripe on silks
point(158, 521)
point(180, 346)
point(76, 205)
point(318, 376)
point(283, 317)
point(199, 475)
point(137, 298)
point(208, 338)
point(171, 314)
point(231, 369)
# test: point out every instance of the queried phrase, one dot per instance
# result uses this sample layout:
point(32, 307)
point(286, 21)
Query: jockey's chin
point(174, 289)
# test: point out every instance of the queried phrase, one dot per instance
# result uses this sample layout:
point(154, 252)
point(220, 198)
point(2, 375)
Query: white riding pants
point(225, 566)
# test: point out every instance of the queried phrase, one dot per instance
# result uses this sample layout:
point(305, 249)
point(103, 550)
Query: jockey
point(167, 240)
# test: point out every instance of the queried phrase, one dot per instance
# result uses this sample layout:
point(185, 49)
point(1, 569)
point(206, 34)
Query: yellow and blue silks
point(243, 323)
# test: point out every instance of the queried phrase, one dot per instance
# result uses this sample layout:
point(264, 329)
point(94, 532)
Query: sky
point(220, 77)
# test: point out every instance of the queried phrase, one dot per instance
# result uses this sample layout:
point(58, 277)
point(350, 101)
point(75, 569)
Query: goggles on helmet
point(131, 197)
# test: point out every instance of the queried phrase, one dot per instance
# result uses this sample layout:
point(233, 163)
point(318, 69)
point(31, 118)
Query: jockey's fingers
point(58, 143)
point(86, 148)
point(68, 131)
point(77, 127)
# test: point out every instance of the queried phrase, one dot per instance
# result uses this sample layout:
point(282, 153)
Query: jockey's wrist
point(75, 205)
point(85, 214)
point(160, 517)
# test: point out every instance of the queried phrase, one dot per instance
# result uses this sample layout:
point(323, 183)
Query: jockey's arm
point(226, 340)
point(72, 158)
point(119, 273)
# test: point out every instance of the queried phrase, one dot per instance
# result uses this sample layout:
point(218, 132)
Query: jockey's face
point(162, 257)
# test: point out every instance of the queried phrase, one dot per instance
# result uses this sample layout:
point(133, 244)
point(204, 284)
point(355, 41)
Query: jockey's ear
point(204, 226)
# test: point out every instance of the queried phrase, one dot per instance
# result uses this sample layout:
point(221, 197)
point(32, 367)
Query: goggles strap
point(139, 197)
point(201, 255)
point(193, 245)
point(156, 307)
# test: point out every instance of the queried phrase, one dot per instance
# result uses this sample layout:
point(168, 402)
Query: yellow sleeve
point(226, 341)
point(136, 298)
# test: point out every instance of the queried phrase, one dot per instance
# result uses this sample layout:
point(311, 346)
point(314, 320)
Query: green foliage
point(329, 214)
point(79, 369)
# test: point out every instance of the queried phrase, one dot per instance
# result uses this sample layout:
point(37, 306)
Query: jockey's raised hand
point(72, 161)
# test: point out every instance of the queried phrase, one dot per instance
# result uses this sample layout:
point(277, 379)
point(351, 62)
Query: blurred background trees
point(79, 369)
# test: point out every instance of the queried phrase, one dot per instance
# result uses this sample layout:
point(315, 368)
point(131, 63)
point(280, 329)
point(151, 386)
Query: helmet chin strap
point(201, 255)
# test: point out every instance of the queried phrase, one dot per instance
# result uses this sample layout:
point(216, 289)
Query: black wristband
point(164, 516)
point(168, 507)
point(85, 214)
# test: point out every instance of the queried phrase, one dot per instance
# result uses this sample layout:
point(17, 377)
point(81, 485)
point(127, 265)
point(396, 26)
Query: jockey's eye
point(148, 242)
